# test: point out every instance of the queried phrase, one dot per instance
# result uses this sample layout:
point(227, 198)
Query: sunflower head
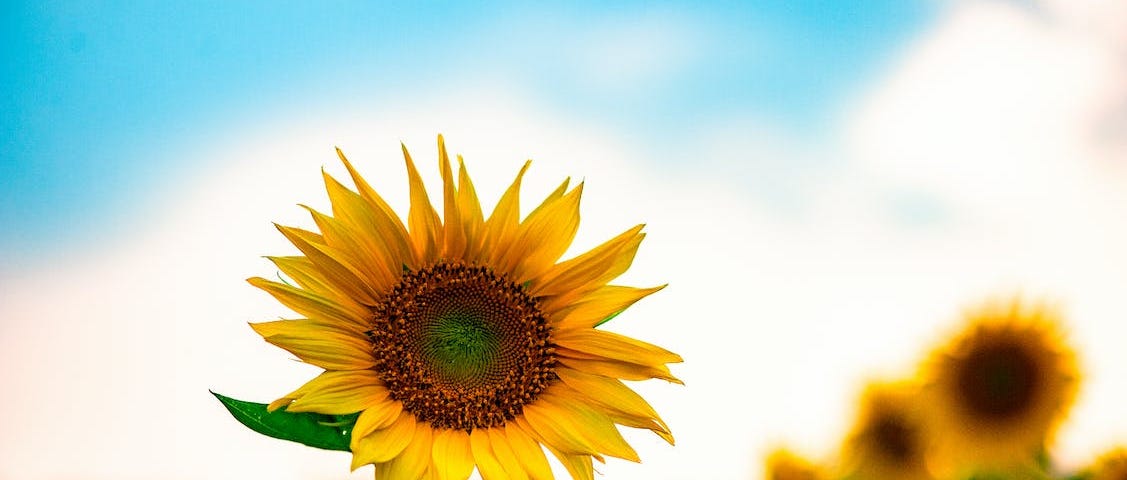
point(998, 390)
point(783, 464)
point(1110, 466)
point(887, 440)
point(462, 341)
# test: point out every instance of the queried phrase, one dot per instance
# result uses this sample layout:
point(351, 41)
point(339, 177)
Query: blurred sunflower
point(997, 391)
point(460, 340)
point(887, 440)
point(1110, 466)
point(783, 464)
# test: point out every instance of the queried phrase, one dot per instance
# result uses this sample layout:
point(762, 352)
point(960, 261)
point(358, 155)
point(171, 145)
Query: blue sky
point(99, 94)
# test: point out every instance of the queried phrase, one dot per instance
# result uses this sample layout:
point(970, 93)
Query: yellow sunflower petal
point(316, 344)
point(529, 453)
point(579, 466)
point(597, 306)
point(370, 264)
point(338, 393)
point(425, 227)
point(487, 463)
point(543, 237)
point(580, 419)
point(620, 369)
point(413, 462)
point(612, 346)
point(306, 275)
point(388, 221)
point(383, 445)
point(309, 304)
point(376, 417)
point(382, 235)
point(539, 417)
point(452, 455)
point(556, 194)
point(472, 220)
point(634, 421)
point(501, 227)
point(333, 263)
point(454, 240)
point(590, 270)
point(613, 395)
point(504, 453)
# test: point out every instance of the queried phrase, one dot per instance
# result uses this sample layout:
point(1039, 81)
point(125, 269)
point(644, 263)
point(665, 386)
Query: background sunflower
point(1112, 465)
point(998, 391)
point(888, 440)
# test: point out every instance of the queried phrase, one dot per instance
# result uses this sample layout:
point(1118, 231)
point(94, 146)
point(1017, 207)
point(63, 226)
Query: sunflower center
point(998, 381)
point(895, 439)
point(461, 347)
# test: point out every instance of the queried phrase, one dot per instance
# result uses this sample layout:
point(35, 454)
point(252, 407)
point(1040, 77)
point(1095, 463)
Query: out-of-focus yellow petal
point(487, 463)
point(574, 278)
point(529, 453)
point(595, 307)
point(613, 346)
point(338, 393)
point(452, 455)
point(318, 344)
point(383, 445)
point(422, 220)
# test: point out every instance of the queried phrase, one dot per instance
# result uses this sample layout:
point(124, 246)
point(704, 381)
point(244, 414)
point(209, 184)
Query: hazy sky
point(824, 191)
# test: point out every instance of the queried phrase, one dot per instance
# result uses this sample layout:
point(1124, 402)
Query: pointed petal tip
point(343, 158)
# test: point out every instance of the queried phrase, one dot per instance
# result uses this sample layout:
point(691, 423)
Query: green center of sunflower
point(998, 381)
point(461, 347)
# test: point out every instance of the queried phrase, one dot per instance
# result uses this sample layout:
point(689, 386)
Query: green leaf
point(329, 432)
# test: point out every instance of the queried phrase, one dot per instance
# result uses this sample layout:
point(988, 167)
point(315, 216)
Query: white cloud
point(622, 54)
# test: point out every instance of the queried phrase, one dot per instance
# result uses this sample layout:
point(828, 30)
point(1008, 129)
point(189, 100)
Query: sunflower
point(1110, 466)
point(887, 440)
point(783, 464)
point(460, 340)
point(997, 391)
